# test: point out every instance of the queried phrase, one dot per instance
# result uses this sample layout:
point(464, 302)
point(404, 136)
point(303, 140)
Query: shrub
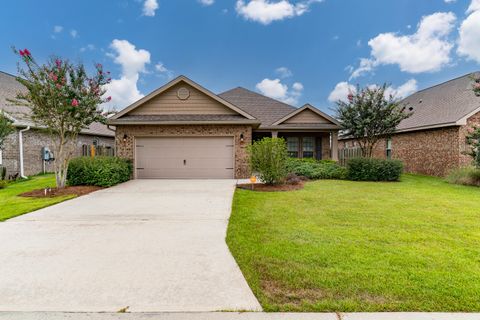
point(3, 184)
point(293, 179)
point(3, 173)
point(467, 176)
point(316, 169)
point(268, 158)
point(368, 169)
point(98, 171)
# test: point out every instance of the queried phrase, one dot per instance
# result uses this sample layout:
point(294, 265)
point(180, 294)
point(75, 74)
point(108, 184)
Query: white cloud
point(341, 92)
point(267, 11)
point(402, 91)
point(73, 33)
point(427, 50)
point(468, 41)
point(283, 72)
point(149, 8)
point(450, 1)
point(57, 29)
point(89, 47)
point(124, 90)
point(366, 66)
point(474, 6)
point(275, 89)
point(162, 70)
point(207, 2)
point(343, 89)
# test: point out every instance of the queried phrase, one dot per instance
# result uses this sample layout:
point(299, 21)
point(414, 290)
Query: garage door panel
point(184, 157)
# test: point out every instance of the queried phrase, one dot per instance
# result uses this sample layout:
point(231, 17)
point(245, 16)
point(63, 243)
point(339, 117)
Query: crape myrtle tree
point(473, 136)
point(64, 100)
point(369, 115)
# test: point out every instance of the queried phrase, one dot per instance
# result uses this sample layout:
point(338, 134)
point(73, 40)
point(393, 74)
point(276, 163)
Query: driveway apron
point(149, 245)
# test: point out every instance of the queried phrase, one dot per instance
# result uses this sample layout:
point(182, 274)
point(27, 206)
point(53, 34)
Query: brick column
point(274, 134)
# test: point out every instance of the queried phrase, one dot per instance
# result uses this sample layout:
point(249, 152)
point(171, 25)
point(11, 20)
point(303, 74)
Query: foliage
point(3, 173)
point(368, 169)
point(473, 140)
point(98, 171)
point(316, 169)
point(466, 176)
point(6, 128)
point(351, 246)
point(369, 116)
point(3, 184)
point(12, 205)
point(63, 99)
point(476, 86)
point(268, 158)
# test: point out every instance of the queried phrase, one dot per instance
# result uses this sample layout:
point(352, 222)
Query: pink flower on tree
point(109, 99)
point(74, 103)
point(350, 97)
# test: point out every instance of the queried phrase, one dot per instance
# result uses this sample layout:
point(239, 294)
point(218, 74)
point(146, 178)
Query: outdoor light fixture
point(241, 137)
point(125, 137)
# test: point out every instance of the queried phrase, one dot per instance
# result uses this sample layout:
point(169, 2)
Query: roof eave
point(187, 122)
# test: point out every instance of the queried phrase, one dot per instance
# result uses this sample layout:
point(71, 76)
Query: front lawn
point(11, 205)
point(413, 245)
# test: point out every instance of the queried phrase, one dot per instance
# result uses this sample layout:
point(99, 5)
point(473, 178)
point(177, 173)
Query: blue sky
point(298, 51)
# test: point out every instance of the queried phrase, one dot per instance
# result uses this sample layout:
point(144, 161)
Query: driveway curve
point(151, 245)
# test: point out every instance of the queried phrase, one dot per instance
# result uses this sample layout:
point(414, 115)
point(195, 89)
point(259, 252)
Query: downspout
point(20, 144)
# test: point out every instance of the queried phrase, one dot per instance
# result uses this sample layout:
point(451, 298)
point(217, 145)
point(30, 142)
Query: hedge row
point(98, 171)
point(316, 169)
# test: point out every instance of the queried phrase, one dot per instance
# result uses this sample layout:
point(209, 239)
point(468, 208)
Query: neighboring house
point(182, 130)
point(432, 141)
point(22, 150)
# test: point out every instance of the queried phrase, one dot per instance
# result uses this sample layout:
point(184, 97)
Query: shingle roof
point(10, 87)
point(441, 105)
point(265, 109)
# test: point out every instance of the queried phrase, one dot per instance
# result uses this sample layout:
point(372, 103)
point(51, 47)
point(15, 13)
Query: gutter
point(20, 143)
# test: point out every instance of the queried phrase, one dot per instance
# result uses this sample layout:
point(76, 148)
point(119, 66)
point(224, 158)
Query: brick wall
point(33, 142)
point(431, 152)
point(126, 148)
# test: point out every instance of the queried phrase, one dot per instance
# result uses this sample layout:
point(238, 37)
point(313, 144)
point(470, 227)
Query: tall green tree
point(64, 100)
point(369, 115)
point(6, 128)
point(473, 140)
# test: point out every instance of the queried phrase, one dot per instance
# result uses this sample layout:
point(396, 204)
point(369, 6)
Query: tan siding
point(307, 116)
point(169, 103)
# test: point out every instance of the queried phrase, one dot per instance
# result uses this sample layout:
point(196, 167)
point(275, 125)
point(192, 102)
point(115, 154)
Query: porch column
point(334, 136)
point(274, 134)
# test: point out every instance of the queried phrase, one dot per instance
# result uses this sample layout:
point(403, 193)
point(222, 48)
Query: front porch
point(320, 145)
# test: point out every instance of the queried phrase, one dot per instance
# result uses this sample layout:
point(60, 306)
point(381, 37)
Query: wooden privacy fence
point(348, 153)
point(92, 151)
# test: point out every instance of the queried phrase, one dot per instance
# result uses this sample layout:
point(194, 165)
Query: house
point(22, 150)
point(432, 141)
point(183, 130)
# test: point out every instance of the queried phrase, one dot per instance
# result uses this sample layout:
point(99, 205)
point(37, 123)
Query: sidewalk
point(237, 316)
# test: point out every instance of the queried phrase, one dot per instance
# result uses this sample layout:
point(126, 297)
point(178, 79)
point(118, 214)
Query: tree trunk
point(64, 151)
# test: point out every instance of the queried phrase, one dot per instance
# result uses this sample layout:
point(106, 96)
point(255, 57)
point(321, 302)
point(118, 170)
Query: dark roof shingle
point(265, 109)
point(443, 104)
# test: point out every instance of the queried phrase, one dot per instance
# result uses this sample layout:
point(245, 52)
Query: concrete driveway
point(152, 245)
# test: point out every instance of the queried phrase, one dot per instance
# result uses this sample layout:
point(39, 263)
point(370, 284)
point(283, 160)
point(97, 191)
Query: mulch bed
point(267, 188)
point(54, 192)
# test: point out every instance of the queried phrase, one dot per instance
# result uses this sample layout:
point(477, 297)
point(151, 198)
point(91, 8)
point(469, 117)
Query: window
point(389, 149)
point(308, 146)
point(292, 147)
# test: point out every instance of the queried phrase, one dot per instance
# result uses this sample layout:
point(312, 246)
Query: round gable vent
point(183, 93)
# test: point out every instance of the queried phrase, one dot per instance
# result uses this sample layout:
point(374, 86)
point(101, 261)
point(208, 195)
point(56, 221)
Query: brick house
point(432, 141)
point(183, 130)
point(33, 139)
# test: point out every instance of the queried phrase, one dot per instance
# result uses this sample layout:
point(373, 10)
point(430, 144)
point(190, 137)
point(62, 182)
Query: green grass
point(11, 205)
point(413, 245)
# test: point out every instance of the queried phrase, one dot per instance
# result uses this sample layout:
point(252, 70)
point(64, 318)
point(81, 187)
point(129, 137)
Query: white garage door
point(184, 158)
